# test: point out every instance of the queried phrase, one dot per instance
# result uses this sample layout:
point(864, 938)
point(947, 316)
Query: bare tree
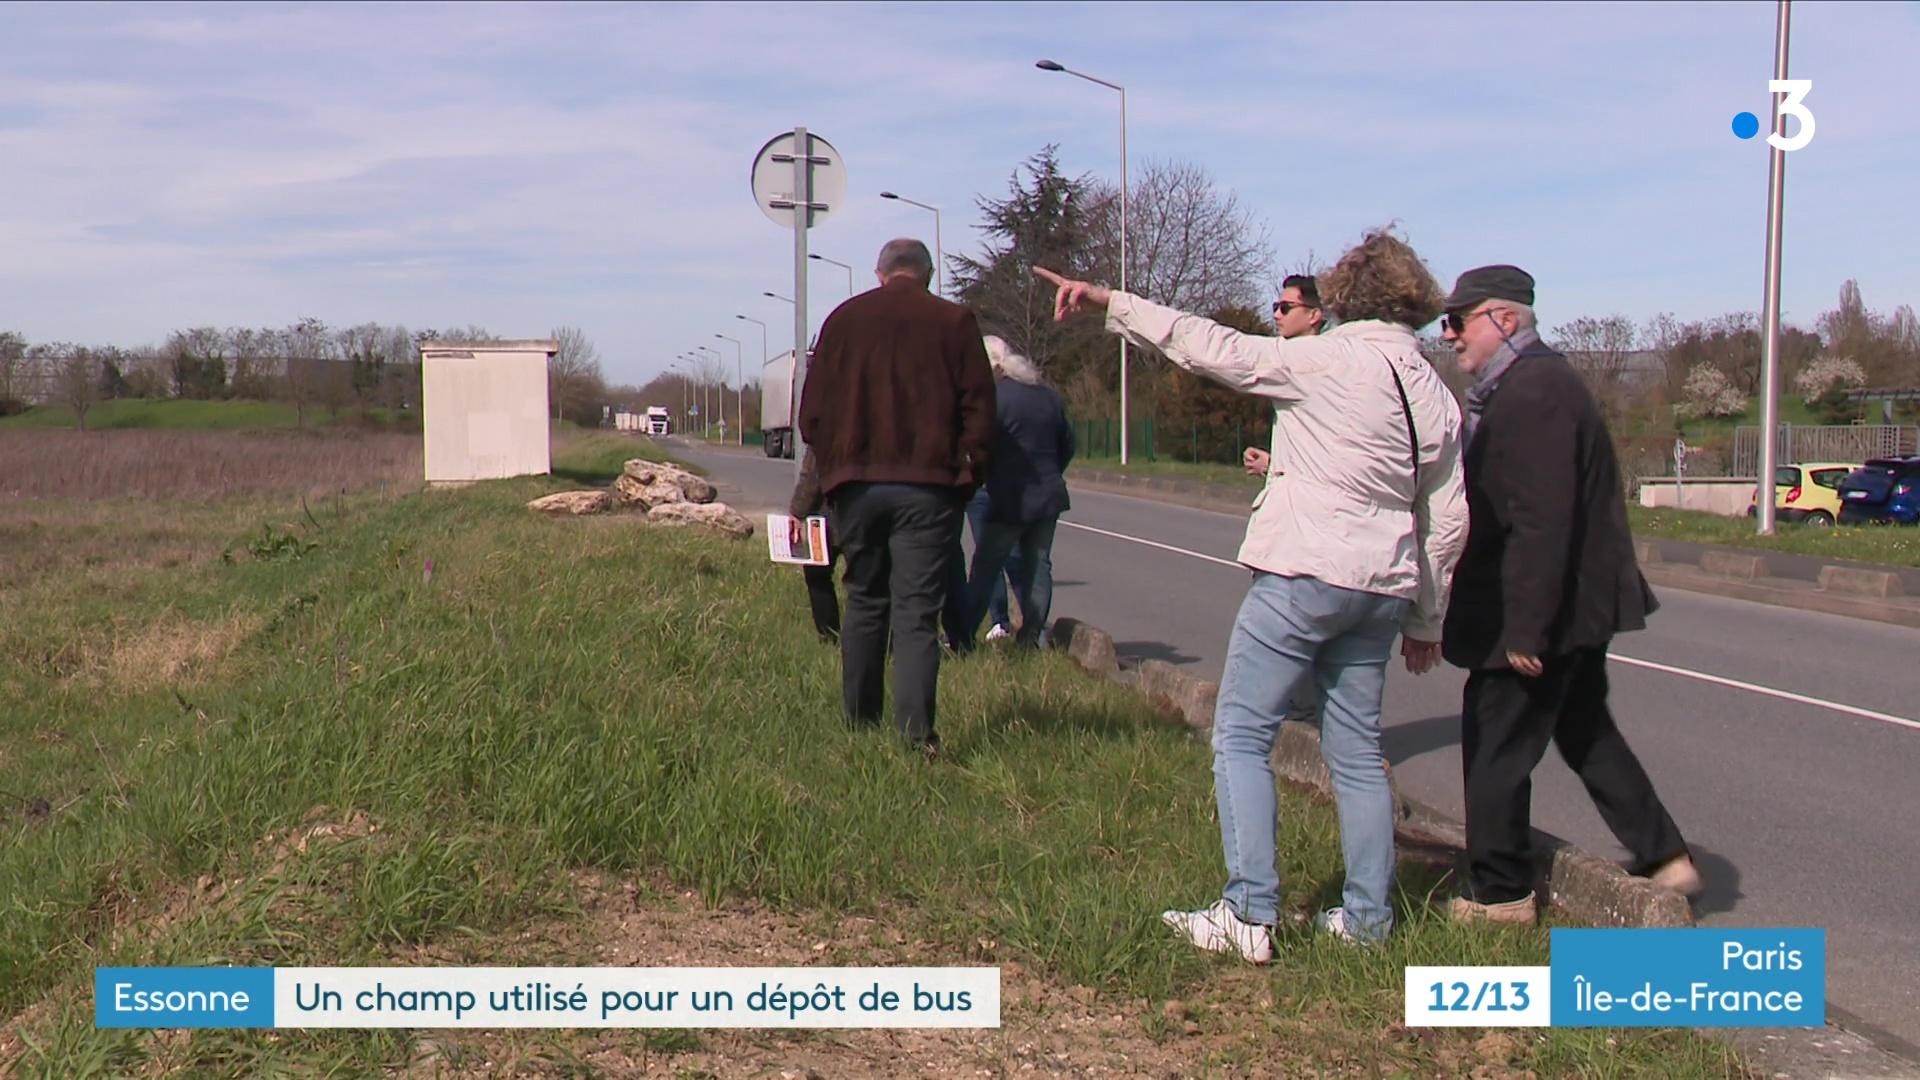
point(77, 382)
point(252, 354)
point(402, 387)
point(13, 367)
point(307, 348)
point(199, 358)
point(574, 379)
point(1599, 349)
point(1190, 244)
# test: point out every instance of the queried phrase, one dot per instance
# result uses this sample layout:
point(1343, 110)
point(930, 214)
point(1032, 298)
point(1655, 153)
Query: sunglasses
point(1285, 307)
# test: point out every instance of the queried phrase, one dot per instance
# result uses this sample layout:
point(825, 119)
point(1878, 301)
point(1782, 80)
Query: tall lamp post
point(1049, 65)
point(939, 257)
point(782, 299)
point(1770, 319)
point(838, 263)
point(719, 364)
point(740, 395)
point(675, 366)
point(763, 366)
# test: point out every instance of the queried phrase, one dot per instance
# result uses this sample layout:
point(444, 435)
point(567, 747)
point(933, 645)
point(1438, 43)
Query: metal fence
point(1151, 440)
point(1827, 442)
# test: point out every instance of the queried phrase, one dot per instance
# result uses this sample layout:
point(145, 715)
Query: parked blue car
point(1884, 490)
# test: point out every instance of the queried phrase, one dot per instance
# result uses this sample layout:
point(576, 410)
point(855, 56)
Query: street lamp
point(706, 422)
point(675, 366)
point(1049, 65)
point(763, 336)
point(939, 258)
point(777, 296)
point(690, 373)
point(740, 395)
point(841, 265)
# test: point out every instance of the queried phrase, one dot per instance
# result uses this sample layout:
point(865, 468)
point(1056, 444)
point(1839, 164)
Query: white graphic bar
point(1479, 997)
point(611, 997)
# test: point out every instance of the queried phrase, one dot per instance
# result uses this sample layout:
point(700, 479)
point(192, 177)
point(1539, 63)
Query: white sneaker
point(997, 632)
point(1218, 929)
point(1333, 921)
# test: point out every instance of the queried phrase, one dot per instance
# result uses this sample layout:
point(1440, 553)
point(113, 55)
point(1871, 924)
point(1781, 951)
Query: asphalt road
point(1799, 814)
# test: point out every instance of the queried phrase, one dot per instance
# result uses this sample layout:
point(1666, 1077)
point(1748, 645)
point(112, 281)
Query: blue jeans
point(1032, 575)
point(997, 597)
point(1291, 629)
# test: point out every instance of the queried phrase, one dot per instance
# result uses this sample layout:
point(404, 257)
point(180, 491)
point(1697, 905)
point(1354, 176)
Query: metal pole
point(1049, 65)
point(739, 395)
point(763, 364)
point(1770, 356)
point(939, 258)
point(1123, 270)
point(802, 217)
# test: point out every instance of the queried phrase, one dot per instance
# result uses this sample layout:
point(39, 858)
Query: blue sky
point(524, 167)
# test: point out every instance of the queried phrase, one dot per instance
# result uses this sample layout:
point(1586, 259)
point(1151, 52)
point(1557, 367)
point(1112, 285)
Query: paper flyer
point(802, 541)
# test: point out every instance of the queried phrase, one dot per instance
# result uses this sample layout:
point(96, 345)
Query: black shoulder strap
point(1413, 436)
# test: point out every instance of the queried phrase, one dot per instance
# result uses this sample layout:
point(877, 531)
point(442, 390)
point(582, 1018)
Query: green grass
point(597, 459)
point(566, 694)
point(185, 415)
point(1204, 472)
point(1892, 545)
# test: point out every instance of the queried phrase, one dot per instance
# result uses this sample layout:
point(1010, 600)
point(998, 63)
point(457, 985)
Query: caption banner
point(1637, 978)
point(952, 997)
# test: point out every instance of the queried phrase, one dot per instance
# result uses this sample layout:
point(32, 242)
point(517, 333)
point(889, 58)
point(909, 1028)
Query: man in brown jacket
point(898, 411)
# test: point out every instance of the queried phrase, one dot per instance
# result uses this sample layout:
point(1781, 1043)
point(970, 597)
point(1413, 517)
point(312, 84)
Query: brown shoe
point(1519, 912)
point(1680, 875)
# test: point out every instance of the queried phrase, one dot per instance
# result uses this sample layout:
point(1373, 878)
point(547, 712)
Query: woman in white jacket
point(1351, 544)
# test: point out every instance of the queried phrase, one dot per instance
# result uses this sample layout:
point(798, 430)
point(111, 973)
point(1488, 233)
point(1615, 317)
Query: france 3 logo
point(1793, 106)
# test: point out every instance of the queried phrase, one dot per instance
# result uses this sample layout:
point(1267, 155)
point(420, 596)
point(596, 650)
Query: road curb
point(1584, 886)
point(1868, 591)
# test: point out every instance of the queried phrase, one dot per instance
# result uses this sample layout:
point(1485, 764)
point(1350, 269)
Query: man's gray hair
point(1010, 364)
point(1520, 311)
point(906, 256)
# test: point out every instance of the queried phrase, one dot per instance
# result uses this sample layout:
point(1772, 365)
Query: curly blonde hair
point(1383, 278)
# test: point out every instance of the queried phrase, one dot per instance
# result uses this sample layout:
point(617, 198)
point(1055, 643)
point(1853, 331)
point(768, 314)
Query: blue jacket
point(1032, 445)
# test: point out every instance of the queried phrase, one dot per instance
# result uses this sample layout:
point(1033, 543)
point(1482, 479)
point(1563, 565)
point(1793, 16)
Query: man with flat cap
point(1547, 579)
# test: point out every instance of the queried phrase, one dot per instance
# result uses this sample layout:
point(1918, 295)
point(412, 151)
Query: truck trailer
point(778, 405)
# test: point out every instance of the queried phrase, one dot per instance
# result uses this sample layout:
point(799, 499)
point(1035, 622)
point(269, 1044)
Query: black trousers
point(1506, 723)
point(821, 597)
point(897, 540)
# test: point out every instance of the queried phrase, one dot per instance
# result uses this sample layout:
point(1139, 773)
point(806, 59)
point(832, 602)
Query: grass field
point(432, 727)
point(180, 415)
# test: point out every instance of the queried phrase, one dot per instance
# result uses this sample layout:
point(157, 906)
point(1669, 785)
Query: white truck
point(658, 420)
point(777, 405)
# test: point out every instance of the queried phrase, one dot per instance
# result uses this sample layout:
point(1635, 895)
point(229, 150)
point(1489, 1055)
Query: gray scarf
point(1489, 377)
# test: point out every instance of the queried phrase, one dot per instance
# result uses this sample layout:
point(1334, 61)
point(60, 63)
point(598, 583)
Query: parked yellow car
point(1807, 492)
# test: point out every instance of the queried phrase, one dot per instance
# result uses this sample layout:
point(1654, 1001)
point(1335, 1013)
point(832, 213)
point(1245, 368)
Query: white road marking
point(1769, 691)
point(1152, 544)
point(1685, 673)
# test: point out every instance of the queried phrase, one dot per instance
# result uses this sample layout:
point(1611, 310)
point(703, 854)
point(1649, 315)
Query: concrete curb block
point(1585, 886)
point(1729, 564)
point(1169, 688)
point(1794, 595)
point(1089, 646)
point(1846, 579)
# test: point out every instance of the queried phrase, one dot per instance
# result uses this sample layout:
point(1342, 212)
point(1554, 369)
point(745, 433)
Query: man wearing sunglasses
point(1547, 579)
point(1296, 314)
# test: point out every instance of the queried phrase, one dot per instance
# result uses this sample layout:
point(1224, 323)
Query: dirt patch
point(172, 651)
point(123, 918)
point(1049, 1028)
